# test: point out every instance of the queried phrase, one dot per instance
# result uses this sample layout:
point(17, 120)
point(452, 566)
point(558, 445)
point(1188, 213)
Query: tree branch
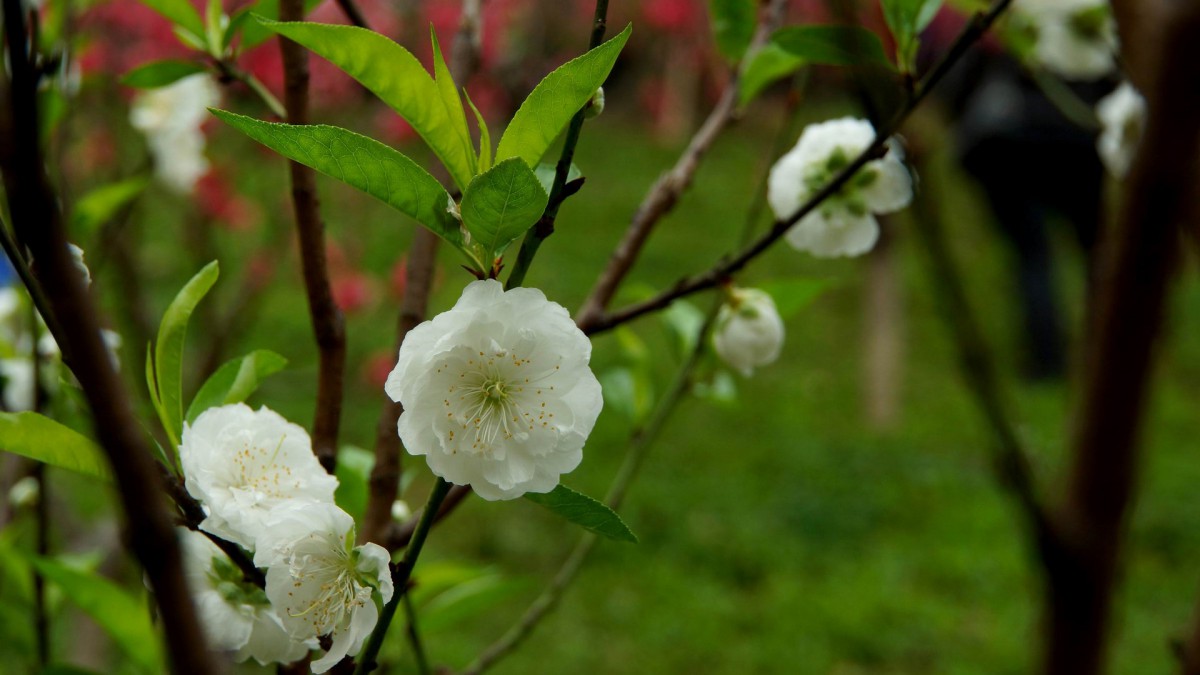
point(328, 326)
point(1134, 285)
point(725, 268)
point(664, 194)
point(39, 225)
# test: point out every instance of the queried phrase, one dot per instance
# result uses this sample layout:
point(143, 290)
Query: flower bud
point(749, 332)
point(595, 106)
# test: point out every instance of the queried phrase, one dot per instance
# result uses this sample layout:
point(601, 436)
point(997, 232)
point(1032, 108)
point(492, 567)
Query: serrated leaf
point(452, 102)
point(555, 100)
point(179, 12)
point(584, 511)
point(121, 614)
point(40, 438)
point(160, 73)
point(501, 204)
point(732, 25)
point(235, 381)
point(769, 64)
point(394, 75)
point(353, 471)
point(101, 204)
point(545, 174)
point(168, 348)
point(832, 45)
point(793, 295)
point(361, 162)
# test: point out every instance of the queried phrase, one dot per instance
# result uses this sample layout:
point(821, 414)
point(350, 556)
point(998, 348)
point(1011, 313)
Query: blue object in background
point(8, 276)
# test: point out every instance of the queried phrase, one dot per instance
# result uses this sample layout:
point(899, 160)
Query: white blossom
point(236, 615)
point(497, 392)
point(241, 463)
point(16, 378)
point(1076, 39)
point(748, 332)
point(80, 265)
point(1122, 117)
point(170, 117)
point(842, 225)
point(319, 582)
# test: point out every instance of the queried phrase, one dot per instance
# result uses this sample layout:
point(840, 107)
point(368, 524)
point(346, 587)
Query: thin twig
point(1133, 292)
point(665, 192)
point(726, 267)
point(414, 636)
point(39, 224)
point(353, 13)
point(384, 483)
point(327, 322)
point(545, 225)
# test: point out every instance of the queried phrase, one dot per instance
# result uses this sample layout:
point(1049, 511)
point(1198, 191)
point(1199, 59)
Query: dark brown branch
point(327, 322)
point(418, 275)
point(721, 271)
point(192, 514)
point(665, 193)
point(40, 227)
point(1133, 290)
point(353, 13)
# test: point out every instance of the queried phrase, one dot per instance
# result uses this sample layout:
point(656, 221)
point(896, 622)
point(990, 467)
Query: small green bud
point(595, 106)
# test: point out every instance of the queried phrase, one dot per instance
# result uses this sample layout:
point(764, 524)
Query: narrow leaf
point(100, 205)
point(255, 33)
point(121, 614)
point(160, 73)
point(733, 25)
point(179, 12)
point(832, 45)
point(40, 438)
point(771, 63)
point(556, 99)
point(452, 101)
point(485, 139)
point(396, 77)
point(168, 348)
point(235, 381)
point(584, 511)
point(501, 204)
point(360, 162)
point(906, 19)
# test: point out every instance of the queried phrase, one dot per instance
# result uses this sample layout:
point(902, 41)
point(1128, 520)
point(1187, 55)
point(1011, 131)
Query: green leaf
point(101, 204)
point(353, 471)
point(254, 32)
point(42, 439)
point(235, 381)
point(733, 25)
point(121, 614)
point(769, 64)
point(584, 511)
point(360, 162)
point(468, 599)
point(168, 348)
point(501, 204)
point(179, 12)
point(556, 99)
point(485, 139)
point(397, 78)
point(832, 45)
point(160, 73)
point(452, 101)
point(793, 295)
point(683, 320)
point(906, 19)
point(627, 392)
point(545, 174)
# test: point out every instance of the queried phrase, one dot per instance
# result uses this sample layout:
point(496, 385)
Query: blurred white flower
point(748, 332)
point(1122, 117)
point(319, 582)
point(497, 391)
point(401, 510)
point(842, 225)
point(16, 379)
point(1076, 39)
point(236, 615)
point(241, 463)
point(77, 258)
point(170, 117)
point(24, 493)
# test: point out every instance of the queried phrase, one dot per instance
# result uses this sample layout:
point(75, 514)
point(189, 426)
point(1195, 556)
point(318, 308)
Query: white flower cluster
point(1122, 117)
point(842, 225)
point(171, 117)
point(1076, 39)
point(497, 392)
point(749, 332)
point(262, 488)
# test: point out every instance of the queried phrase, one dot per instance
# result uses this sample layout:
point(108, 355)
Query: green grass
point(780, 535)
